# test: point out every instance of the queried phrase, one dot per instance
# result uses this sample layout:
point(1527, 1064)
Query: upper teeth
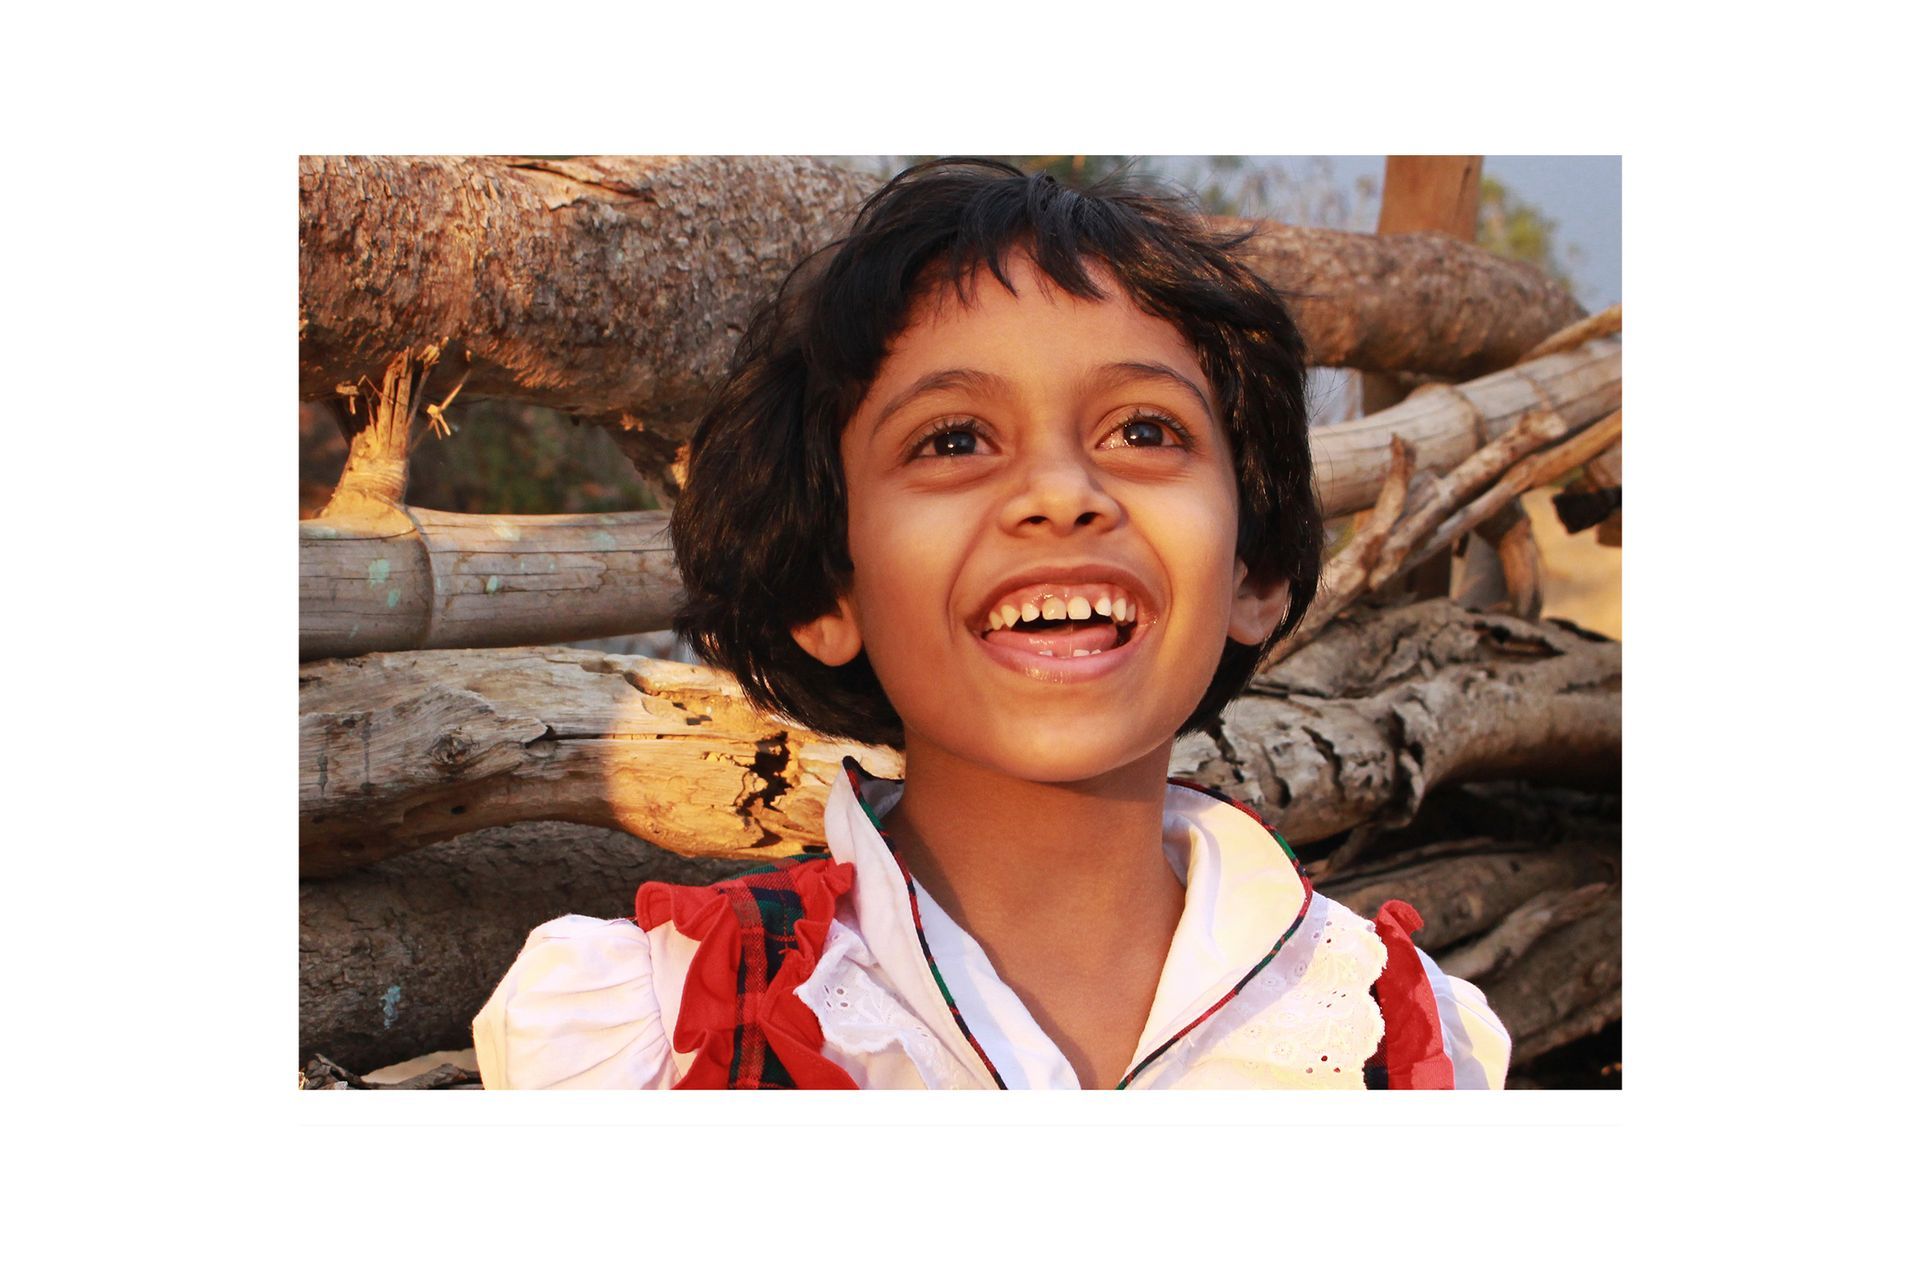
point(1053, 604)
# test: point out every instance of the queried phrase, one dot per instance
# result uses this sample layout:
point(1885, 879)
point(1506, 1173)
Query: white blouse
point(591, 1004)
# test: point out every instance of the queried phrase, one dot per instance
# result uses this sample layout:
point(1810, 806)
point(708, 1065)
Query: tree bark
point(395, 960)
point(615, 288)
point(1419, 303)
point(401, 750)
point(1360, 725)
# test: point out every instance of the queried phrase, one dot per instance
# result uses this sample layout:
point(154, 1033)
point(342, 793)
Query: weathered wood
point(392, 578)
point(419, 579)
point(396, 959)
point(1384, 706)
point(1420, 303)
point(402, 750)
point(1565, 986)
point(1445, 424)
point(1440, 194)
point(614, 288)
point(1461, 894)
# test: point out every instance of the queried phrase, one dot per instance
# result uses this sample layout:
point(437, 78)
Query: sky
point(1581, 194)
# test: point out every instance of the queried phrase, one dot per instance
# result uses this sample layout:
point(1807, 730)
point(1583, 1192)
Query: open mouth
point(1052, 620)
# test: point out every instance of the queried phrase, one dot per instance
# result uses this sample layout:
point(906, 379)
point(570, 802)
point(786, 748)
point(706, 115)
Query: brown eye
point(1144, 433)
point(958, 442)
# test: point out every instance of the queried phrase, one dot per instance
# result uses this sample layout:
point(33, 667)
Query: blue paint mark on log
point(377, 572)
point(493, 584)
point(601, 538)
point(389, 1007)
point(393, 596)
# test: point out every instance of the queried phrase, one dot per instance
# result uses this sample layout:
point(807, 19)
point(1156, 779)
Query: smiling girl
point(1014, 478)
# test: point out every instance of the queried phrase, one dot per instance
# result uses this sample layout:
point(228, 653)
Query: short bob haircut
point(760, 528)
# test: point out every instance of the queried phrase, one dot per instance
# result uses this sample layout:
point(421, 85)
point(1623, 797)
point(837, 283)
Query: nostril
point(1087, 517)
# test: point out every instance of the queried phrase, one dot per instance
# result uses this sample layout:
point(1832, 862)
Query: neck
point(1014, 861)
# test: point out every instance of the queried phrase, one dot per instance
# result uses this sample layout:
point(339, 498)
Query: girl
point(1016, 479)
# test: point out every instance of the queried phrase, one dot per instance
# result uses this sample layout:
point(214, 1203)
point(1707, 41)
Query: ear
point(833, 638)
point(1257, 607)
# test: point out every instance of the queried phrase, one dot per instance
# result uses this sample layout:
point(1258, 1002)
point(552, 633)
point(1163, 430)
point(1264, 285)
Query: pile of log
point(464, 775)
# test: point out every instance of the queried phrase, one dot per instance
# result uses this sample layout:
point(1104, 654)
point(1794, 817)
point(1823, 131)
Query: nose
point(1058, 489)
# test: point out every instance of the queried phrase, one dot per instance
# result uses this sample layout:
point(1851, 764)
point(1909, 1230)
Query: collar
point(1244, 897)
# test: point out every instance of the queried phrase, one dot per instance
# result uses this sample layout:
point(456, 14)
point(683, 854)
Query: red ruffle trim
point(1413, 1050)
point(727, 990)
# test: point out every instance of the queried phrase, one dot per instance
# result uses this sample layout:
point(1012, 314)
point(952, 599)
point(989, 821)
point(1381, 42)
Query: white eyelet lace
point(1307, 1022)
point(860, 1017)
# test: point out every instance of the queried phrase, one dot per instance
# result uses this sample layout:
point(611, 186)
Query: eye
point(951, 440)
point(1145, 430)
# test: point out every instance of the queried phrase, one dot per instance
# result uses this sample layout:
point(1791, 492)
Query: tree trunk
point(1421, 303)
point(401, 750)
point(615, 288)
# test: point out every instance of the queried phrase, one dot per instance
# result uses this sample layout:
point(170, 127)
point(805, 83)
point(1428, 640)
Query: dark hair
point(760, 529)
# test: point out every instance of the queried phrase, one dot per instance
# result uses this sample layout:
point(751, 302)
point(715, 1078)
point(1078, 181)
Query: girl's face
point(1031, 455)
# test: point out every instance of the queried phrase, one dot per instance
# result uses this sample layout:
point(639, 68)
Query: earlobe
point(1257, 607)
point(832, 638)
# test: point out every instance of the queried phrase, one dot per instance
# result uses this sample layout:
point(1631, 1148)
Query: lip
point(1069, 670)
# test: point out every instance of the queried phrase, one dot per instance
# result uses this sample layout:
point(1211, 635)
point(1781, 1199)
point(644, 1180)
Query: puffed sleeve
point(578, 1010)
point(1475, 1041)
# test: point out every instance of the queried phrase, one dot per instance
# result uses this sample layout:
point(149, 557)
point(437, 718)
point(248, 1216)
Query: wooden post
point(1424, 193)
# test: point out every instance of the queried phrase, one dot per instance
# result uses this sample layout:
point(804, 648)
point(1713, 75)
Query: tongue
point(1060, 641)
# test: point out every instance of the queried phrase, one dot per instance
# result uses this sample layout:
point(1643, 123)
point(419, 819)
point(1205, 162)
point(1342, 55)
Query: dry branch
point(401, 750)
point(410, 578)
point(1444, 425)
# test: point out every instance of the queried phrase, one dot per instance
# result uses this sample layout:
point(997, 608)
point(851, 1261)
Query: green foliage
point(1515, 229)
point(516, 459)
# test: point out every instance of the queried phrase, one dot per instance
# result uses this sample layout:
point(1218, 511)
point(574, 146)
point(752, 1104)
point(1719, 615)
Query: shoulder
point(579, 1009)
point(1476, 1040)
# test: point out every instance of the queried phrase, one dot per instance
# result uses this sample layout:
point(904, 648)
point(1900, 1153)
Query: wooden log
point(388, 579)
point(1440, 194)
point(1565, 987)
point(1444, 425)
point(402, 750)
point(614, 288)
point(396, 959)
point(419, 579)
point(1462, 894)
point(1360, 725)
point(1420, 303)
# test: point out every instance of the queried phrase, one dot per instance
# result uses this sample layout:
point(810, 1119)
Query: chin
point(1066, 753)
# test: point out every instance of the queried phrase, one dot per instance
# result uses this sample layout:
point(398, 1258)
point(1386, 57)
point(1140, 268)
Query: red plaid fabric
point(760, 936)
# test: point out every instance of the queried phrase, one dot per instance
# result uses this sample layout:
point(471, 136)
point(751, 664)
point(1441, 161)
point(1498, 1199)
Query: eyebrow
point(983, 383)
point(974, 380)
point(1121, 371)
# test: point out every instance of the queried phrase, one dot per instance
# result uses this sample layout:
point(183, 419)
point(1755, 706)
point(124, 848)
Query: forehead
point(1035, 324)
